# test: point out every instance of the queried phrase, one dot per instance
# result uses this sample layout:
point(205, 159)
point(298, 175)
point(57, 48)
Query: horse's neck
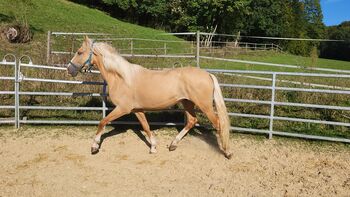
point(117, 74)
point(122, 67)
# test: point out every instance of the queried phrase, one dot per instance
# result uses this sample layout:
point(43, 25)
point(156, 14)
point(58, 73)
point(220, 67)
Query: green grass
point(65, 16)
point(276, 58)
point(285, 58)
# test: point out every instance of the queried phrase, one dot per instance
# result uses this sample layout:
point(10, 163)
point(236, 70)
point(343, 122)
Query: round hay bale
point(17, 33)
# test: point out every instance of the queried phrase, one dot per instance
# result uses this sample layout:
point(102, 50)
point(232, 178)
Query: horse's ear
point(86, 41)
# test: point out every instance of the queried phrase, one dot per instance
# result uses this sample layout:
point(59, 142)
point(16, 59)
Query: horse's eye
point(79, 53)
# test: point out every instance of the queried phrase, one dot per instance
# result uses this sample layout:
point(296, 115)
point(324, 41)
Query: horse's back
point(159, 89)
point(197, 83)
point(189, 78)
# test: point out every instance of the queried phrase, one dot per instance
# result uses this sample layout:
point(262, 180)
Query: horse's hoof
point(153, 151)
point(228, 155)
point(172, 147)
point(94, 150)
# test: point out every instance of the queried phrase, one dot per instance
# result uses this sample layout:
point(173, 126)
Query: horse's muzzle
point(71, 70)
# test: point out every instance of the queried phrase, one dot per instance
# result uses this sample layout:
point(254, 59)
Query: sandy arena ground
point(44, 161)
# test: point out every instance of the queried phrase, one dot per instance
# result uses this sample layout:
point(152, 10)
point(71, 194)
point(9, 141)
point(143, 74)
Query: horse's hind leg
point(142, 118)
point(191, 121)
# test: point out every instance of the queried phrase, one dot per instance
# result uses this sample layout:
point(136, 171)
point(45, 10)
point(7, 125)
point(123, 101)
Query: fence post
point(272, 109)
point(48, 52)
point(192, 45)
point(72, 49)
point(17, 75)
point(16, 92)
point(104, 98)
point(197, 49)
point(131, 46)
point(164, 48)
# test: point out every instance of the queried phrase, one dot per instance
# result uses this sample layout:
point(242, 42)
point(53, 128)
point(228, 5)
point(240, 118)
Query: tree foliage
point(280, 18)
point(337, 50)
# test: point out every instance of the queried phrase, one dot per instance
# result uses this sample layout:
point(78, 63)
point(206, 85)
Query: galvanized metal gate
point(18, 78)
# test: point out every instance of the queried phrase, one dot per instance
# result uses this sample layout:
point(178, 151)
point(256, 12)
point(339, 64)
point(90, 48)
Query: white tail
point(224, 130)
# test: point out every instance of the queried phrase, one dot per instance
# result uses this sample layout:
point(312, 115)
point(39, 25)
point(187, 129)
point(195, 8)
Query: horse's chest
point(119, 95)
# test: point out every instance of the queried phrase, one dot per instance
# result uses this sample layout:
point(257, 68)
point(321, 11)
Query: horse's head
point(82, 60)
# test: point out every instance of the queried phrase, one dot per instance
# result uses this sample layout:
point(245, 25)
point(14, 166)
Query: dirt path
point(37, 161)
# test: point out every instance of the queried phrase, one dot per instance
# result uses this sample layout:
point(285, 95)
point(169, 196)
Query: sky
point(335, 11)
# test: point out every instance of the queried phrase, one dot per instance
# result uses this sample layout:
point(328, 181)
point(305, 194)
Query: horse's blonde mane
point(113, 61)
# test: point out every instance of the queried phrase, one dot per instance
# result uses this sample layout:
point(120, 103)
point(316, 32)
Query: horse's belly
point(158, 96)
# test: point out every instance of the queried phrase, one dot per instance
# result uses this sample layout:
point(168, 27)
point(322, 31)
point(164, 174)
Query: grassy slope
point(63, 15)
point(298, 60)
point(278, 58)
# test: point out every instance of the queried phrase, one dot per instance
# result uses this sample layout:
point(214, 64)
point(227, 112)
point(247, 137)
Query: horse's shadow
point(122, 129)
point(206, 134)
point(203, 133)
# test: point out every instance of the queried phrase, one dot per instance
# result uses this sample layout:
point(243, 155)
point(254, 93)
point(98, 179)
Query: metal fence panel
point(10, 61)
point(18, 78)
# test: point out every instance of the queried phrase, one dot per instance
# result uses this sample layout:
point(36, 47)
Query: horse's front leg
point(116, 113)
point(142, 118)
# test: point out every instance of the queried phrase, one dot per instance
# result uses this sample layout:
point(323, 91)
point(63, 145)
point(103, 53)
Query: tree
point(152, 12)
point(276, 18)
point(314, 18)
point(124, 8)
point(337, 50)
point(298, 29)
point(204, 15)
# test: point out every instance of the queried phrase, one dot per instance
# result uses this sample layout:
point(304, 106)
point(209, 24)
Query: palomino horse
point(133, 88)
